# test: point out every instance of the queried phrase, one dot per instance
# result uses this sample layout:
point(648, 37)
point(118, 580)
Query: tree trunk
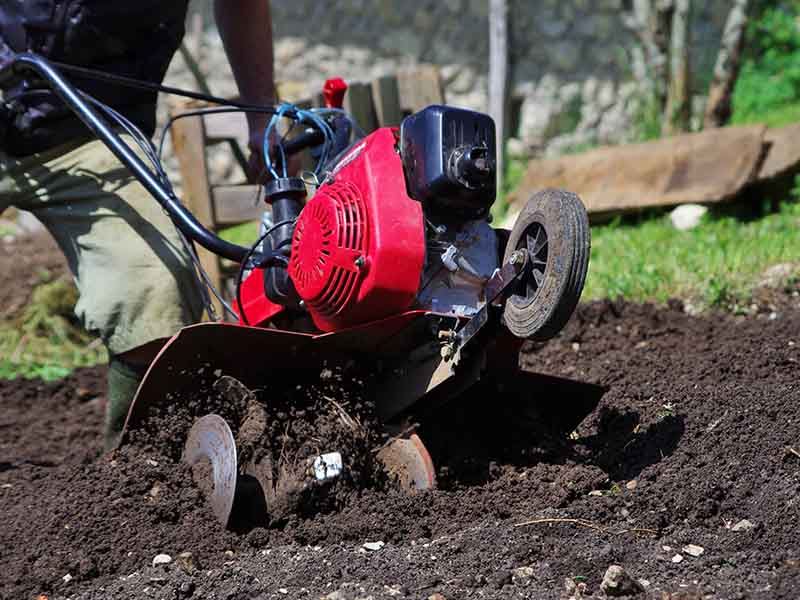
point(651, 22)
point(726, 70)
point(679, 98)
point(498, 78)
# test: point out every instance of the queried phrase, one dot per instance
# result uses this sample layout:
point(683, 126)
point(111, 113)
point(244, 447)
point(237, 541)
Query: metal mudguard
point(405, 345)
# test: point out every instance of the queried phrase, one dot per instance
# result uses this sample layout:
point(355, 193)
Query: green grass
point(244, 235)
point(776, 117)
point(45, 341)
point(716, 264)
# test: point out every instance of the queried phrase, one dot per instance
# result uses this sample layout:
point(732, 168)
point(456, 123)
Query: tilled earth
point(696, 442)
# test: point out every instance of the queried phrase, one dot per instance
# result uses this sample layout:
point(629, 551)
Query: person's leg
point(134, 276)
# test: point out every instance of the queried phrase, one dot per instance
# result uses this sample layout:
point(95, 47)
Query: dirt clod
point(617, 582)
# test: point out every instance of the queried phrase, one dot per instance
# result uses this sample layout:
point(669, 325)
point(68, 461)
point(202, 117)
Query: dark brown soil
point(25, 262)
point(700, 430)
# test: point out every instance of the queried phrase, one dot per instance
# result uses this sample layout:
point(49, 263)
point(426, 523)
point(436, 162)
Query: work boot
point(123, 381)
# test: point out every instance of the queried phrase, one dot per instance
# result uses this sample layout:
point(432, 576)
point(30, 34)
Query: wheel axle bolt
point(517, 258)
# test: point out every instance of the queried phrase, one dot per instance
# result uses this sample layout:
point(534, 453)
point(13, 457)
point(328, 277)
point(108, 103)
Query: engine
point(359, 244)
point(400, 222)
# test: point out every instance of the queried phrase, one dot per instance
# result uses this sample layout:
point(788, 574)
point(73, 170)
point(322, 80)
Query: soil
point(696, 442)
point(27, 261)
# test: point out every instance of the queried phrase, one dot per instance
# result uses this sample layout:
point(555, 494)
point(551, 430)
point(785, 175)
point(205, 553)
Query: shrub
point(770, 74)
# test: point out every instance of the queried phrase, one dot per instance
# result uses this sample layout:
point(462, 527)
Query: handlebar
point(184, 220)
point(308, 139)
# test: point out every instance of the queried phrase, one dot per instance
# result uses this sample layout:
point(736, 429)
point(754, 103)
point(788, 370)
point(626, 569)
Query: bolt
point(517, 258)
point(360, 262)
point(447, 335)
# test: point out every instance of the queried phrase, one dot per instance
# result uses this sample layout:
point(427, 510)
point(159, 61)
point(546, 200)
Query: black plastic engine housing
point(450, 160)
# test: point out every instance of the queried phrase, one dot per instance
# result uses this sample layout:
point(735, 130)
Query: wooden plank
point(386, 98)
point(188, 141)
point(226, 126)
point(419, 86)
point(358, 102)
point(783, 155)
point(709, 166)
point(234, 204)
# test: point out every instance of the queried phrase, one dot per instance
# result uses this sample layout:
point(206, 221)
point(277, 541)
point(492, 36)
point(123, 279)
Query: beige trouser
point(133, 274)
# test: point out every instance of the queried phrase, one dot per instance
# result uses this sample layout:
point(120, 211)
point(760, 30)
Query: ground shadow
point(623, 448)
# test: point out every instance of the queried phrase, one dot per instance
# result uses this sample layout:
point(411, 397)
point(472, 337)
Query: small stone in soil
point(743, 525)
point(161, 559)
point(693, 550)
point(373, 545)
point(617, 582)
point(186, 562)
point(677, 558)
point(522, 573)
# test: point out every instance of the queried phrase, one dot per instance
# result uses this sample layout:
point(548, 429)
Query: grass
point(777, 117)
point(244, 235)
point(45, 341)
point(717, 264)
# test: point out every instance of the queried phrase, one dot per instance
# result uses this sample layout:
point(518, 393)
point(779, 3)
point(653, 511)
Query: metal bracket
point(502, 279)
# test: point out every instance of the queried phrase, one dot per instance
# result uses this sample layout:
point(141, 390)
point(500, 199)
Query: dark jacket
point(131, 38)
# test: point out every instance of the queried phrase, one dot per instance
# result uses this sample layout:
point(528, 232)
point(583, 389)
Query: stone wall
point(572, 60)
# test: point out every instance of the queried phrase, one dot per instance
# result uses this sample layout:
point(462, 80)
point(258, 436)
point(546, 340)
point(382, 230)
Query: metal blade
point(408, 461)
point(210, 438)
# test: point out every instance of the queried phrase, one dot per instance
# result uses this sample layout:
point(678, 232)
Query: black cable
point(244, 264)
point(205, 111)
point(95, 74)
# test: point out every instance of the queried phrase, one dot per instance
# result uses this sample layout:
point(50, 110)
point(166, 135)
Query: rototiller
point(391, 261)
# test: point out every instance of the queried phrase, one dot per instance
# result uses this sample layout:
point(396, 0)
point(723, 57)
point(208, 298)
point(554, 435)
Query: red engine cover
point(359, 244)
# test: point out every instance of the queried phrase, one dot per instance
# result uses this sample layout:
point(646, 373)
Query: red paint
point(257, 307)
point(359, 244)
point(333, 91)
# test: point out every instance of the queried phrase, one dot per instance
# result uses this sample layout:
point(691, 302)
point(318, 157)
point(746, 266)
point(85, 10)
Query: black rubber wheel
point(554, 229)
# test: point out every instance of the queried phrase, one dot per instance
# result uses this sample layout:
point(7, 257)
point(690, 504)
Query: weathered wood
point(358, 102)
point(419, 86)
point(498, 77)
point(726, 70)
point(783, 153)
point(678, 112)
point(386, 99)
point(226, 126)
point(704, 167)
point(188, 141)
point(235, 204)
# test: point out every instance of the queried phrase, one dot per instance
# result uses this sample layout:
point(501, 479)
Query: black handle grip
point(308, 139)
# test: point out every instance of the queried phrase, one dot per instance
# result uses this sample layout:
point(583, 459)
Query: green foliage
point(244, 235)
point(45, 341)
point(715, 264)
point(48, 372)
point(769, 80)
